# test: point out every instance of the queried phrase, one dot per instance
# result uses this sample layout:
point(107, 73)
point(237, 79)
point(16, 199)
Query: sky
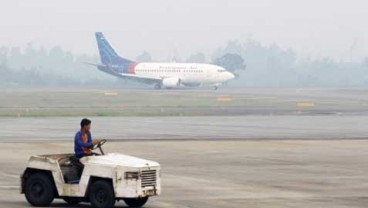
point(315, 28)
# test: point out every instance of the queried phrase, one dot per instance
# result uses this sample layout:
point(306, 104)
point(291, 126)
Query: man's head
point(85, 124)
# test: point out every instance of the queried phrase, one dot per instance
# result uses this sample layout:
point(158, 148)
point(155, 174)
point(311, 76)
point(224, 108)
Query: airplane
point(161, 75)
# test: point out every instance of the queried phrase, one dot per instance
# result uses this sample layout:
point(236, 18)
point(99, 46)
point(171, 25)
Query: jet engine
point(171, 82)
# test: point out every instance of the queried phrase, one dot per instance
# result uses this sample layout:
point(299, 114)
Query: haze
point(315, 28)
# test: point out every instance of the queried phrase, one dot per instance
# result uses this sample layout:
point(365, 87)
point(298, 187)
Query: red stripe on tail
point(131, 69)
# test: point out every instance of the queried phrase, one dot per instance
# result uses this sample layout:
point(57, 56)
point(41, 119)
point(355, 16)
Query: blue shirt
point(79, 144)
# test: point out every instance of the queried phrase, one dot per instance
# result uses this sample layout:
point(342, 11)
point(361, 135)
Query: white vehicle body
point(113, 167)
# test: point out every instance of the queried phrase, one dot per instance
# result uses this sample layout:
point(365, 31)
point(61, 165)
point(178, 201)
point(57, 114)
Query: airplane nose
point(230, 75)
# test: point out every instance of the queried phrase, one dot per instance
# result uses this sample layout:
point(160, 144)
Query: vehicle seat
point(71, 170)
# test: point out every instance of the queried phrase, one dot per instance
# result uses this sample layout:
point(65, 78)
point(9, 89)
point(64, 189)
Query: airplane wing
point(148, 80)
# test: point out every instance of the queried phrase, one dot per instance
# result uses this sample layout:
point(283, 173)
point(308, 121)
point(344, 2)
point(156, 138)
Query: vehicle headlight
point(131, 175)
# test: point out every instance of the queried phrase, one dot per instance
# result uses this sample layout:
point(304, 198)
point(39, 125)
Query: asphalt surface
point(259, 150)
point(207, 174)
point(189, 128)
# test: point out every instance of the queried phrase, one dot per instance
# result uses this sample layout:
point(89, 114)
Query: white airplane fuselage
point(186, 73)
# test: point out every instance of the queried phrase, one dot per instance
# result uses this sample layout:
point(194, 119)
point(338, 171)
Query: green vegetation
point(43, 103)
point(265, 66)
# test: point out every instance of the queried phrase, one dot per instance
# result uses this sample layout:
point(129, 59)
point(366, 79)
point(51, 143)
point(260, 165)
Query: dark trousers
point(76, 162)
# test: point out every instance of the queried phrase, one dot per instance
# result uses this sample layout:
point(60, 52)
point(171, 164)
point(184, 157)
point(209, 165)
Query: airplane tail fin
point(107, 53)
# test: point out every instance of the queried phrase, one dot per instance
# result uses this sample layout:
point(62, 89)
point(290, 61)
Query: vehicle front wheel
point(101, 195)
point(136, 202)
point(39, 190)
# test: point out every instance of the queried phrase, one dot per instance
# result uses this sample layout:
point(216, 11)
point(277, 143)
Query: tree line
point(256, 64)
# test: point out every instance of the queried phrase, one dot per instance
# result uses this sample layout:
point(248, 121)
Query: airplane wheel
point(39, 190)
point(102, 195)
point(157, 86)
point(136, 202)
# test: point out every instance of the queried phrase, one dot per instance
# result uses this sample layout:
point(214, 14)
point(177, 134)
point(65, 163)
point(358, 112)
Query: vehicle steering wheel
point(102, 142)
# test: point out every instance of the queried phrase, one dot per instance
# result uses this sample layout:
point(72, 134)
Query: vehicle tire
point(72, 200)
point(40, 190)
point(136, 202)
point(101, 195)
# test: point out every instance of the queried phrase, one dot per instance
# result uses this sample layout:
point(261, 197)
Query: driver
point(83, 143)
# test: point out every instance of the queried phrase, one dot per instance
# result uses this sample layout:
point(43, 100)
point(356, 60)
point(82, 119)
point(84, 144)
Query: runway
point(233, 174)
point(188, 128)
point(260, 148)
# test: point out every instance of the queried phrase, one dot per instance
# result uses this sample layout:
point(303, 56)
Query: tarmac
point(241, 173)
point(267, 148)
point(188, 128)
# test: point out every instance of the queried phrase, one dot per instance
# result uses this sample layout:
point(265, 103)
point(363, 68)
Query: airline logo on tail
point(110, 58)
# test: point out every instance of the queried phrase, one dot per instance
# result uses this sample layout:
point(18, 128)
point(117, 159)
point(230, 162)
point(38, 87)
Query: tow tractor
point(105, 179)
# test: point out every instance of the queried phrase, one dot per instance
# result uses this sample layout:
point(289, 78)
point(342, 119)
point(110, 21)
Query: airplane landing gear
point(216, 86)
point(158, 86)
